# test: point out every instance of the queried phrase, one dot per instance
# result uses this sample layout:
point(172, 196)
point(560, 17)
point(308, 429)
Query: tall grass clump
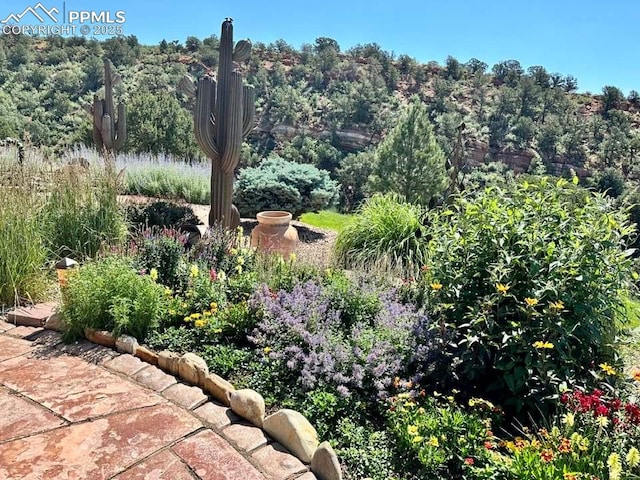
point(82, 213)
point(22, 248)
point(164, 177)
point(386, 232)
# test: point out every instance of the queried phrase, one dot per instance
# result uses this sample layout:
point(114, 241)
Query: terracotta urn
point(274, 233)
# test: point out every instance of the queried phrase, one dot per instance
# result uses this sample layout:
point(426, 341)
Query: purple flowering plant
point(307, 334)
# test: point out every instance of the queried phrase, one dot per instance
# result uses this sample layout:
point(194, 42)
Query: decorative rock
point(325, 463)
point(126, 344)
point(54, 322)
point(192, 369)
point(294, 432)
point(248, 404)
point(146, 355)
point(218, 388)
point(168, 361)
point(100, 337)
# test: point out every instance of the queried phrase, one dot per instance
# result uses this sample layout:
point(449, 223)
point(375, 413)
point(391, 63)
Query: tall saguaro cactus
point(223, 116)
point(109, 133)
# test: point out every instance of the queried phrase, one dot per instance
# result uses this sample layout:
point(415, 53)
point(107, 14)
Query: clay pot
point(274, 234)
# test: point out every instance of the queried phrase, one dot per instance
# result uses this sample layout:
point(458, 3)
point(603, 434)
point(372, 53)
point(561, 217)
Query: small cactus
point(109, 133)
point(224, 115)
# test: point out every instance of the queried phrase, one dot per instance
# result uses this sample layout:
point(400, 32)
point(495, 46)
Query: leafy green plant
point(525, 284)
point(277, 184)
point(108, 294)
point(385, 231)
point(161, 214)
point(161, 251)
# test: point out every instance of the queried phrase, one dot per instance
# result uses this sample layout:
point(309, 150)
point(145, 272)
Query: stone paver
point(33, 316)
point(82, 411)
point(97, 449)
point(165, 465)
point(245, 436)
point(13, 347)
point(154, 378)
point(20, 417)
point(72, 388)
point(127, 364)
point(186, 396)
point(212, 458)
point(277, 463)
point(216, 415)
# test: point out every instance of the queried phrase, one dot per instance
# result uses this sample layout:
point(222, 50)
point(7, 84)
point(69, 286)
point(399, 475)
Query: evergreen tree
point(410, 162)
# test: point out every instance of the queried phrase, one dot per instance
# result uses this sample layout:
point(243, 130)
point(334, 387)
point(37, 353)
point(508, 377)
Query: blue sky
point(596, 41)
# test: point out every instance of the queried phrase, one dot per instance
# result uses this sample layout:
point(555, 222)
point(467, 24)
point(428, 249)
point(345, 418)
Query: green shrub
point(280, 185)
point(162, 250)
point(525, 284)
point(82, 214)
point(161, 214)
point(22, 246)
point(385, 231)
point(108, 294)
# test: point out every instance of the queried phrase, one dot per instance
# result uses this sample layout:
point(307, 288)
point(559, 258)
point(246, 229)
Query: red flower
point(468, 461)
point(488, 445)
point(601, 411)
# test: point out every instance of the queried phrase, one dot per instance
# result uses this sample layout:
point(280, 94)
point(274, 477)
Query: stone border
point(288, 427)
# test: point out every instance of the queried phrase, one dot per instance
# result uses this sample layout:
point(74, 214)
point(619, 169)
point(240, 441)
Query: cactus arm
point(121, 128)
point(204, 127)
point(248, 109)
point(231, 142)
point(242, 51)
point(97, 111)
point(187, 86)
point(108, 97)
point(107, 137)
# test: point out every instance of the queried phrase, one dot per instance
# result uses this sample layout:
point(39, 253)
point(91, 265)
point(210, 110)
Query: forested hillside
point(317, 104)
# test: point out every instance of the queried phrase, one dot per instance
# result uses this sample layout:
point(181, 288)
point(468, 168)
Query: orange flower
point(636, 374)
point(565, 446)
point(546, 455)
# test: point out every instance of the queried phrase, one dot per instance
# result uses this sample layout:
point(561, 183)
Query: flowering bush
point(595, 437)
point(161, 251)
point(524, 285)
point(303, 331)
point(448, 441)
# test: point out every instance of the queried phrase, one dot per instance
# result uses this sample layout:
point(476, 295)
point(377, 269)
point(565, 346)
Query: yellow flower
point(153, 274)
point(266, 350)
point(239, 268)
point(222, 276)
point(412, 430)
point(183, 305)
point(542, 345)
point(200, 323)
point(433, 441)
point(615, 466)
point(293, 257)
point(167, 291)
point(569, 419)
point(633, 457)
point(531, 302)
point(194, 270)
point(214, 306)
point(417, 439)
point(217, 330)
point(187, 319)
point(557, 305)
point(607, 369)
point(603, 421)
point(233, 251)
point(207, 313)
point(502, 288)
point(195, 316)
point(436, 285)
point(241, 260)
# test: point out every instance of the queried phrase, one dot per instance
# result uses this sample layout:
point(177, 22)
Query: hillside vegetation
point(318, 104)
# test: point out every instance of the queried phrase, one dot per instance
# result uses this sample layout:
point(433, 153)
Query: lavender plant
point(306, 334)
